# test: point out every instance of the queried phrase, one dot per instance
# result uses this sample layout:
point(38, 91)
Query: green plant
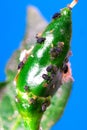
point(44, 76)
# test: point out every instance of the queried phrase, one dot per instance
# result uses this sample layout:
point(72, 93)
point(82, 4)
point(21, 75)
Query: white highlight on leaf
point(25, 96)
point(14, 82)
point(22, 94)
point(62, 31)
point(22, 55)
point(25, 53)
point(64, 12)
point(32, 56)
point(25, 105)
point(16, 99)
point(33, 77)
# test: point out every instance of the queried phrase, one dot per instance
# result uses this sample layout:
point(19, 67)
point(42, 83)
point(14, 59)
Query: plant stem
point(17, 123)
point(33, 122)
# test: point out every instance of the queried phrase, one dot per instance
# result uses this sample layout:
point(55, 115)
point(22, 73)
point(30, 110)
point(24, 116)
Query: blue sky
point(12, 28)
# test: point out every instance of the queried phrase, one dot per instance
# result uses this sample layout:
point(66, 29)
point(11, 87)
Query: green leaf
point(8, 112)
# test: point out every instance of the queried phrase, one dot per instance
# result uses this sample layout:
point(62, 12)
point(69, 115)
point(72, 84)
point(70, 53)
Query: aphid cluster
point(51, 70)
point(56, 51)
point(41, 69)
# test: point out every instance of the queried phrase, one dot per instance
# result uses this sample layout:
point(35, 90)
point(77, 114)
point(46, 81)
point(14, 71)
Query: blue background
point(12, 28)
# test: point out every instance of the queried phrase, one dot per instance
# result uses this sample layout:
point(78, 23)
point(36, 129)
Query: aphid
point(46, 77)
point(41, 39)
point(26, 88)
point(20, 65)
point(56, 15)
point(55, 69)
point(60, 44)
point(52, 76)
point(31, 101)
point(65, 68)
point(66, 60)
point(52, 69)
point(54, 86)
point(49, 68)
point(45, 85)
point(44, 106)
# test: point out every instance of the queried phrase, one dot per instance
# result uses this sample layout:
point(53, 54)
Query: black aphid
point(49, 68)
point(44, 106)
point(46, 77)
point(55, 69)
point(20, 65)
point(52, 76)
point(40, 39)
point(66, 60)
point(56, 15)
point(65, 68)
